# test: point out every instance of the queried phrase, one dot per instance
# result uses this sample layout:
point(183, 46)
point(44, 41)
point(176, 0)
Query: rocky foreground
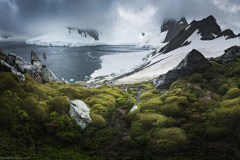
point(193, 114)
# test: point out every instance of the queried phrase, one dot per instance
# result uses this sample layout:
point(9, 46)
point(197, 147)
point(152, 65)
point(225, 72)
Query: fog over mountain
point(31, 18)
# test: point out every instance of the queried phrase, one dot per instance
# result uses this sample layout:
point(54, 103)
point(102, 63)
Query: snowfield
point(154, 40)
point(121, 63)
point(168, 61)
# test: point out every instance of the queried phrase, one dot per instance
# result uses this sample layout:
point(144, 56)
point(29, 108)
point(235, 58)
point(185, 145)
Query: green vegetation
point(182, 123)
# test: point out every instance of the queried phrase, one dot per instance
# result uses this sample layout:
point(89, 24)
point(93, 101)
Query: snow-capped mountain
point(205, 36)
point(71, 37)
point(169, 30)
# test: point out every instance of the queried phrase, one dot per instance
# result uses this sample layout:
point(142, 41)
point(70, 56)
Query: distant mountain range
point(176, 40)
point(71, 37)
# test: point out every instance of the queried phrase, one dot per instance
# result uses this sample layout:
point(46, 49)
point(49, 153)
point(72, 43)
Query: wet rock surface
point(193, 62)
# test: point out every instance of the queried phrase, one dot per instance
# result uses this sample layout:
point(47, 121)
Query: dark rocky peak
point(182, 21)
point(175, 29)
point(92, 33)
point(228, 33)
point(193, 62)
point(168, 24)
point(206, 28)
point(86, 32)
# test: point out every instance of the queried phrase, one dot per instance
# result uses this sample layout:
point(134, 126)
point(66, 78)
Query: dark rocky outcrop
point(168, 24)
point(229, 55)
point(193, 62)
point(37, 70)
point(206, 28)
point(6, 36)
point(20, 64)
point(227, 33)
point(34, 57)
point(175, 29)
point(4, 67)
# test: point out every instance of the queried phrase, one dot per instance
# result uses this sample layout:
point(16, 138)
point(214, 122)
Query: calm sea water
point(68, 62)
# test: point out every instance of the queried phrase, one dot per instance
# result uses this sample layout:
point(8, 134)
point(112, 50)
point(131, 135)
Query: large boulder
point(7, 68)
point(35, 61)
point(229, 55)
point(193, 62)
point(47, 75)
point(80, 112)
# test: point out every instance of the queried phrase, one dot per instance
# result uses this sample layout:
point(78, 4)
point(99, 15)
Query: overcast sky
point(36, 17)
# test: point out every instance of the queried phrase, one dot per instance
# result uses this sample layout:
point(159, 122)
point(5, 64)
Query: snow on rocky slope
point(207, 39)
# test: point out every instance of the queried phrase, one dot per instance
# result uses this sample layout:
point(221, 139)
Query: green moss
point(144, 122)
point(168, 140)
point(216, 97)
point(232, 93)
point(223, 89)
point(97, 121)
point(152, 104)
point(99, 109)
point(146, 95)
point(170, 109)
point(230, 103)
point(2, 57)
point(171, 99)
point(195, 78)
point(128, 118)
point(213, 133)
point(130, 103)
point(58, 104)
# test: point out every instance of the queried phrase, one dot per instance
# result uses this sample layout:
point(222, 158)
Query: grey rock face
point(229, 55)
point(20, 64)
point(175, 29)
point(80, 112)
point(7, 68)
point(47, 75)
point(34, 57)
point(194, 61)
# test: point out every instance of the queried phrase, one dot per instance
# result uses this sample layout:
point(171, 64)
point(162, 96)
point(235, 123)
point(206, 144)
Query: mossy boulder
point(97, 121)
point(59, 104)
point(146, 95)
point(168, 141)
point(152, 104)
point(99, 109)
point(213, 133)
point(223, 89)
point(130, 103)
point(144, 122)
point(232, 93)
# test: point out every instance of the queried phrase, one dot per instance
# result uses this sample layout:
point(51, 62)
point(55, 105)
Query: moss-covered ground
point(198, 118)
